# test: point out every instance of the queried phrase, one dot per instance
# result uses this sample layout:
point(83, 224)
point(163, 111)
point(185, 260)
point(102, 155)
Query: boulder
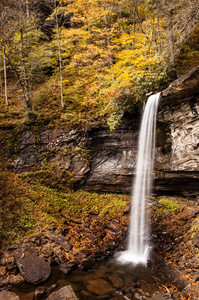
point(65, 293)
point(34, 269)
point(6, 295)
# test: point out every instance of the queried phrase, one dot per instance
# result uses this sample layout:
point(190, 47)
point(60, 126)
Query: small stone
point(65, 293)
point(67, 268)
point(39, 293)
point(137, 296)
point(57, 261)
point(53, 287)
point(6, 295)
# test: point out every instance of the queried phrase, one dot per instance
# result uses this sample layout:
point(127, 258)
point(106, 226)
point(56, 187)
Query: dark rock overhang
point(181, 89)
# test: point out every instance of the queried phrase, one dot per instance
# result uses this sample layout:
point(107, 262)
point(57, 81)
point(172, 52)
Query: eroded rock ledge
point(184, 87)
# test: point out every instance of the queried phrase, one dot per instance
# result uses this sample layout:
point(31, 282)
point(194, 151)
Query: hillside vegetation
point(84, 63)
point(28, 207)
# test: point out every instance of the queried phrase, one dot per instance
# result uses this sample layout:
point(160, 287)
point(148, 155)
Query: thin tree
point(5, 75)
point(59, 51)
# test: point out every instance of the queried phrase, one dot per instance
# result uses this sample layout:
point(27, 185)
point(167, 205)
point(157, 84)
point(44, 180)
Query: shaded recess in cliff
point(114, 156)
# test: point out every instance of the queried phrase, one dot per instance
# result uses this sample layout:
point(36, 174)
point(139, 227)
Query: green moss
point(169, 206)
point(50, 175)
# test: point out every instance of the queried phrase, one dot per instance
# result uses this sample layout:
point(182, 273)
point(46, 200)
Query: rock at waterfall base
point(34, 269)
point(6, 295)
point(64, 293)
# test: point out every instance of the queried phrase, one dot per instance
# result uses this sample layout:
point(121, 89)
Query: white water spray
point(139, 233)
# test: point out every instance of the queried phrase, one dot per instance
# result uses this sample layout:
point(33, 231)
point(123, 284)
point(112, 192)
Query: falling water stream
point(139, 232)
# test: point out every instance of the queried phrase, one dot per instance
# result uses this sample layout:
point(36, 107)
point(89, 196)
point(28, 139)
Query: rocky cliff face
point(62, 147)
point(178, 170)
point(110, 165)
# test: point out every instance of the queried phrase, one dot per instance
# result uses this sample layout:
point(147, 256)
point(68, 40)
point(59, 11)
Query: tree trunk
point(60, 58)
point(27, 10)
point(171, 40)
point(25, 77)
point(5, 75)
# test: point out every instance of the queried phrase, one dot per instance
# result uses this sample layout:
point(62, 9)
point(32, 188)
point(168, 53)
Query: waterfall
point(139, 232)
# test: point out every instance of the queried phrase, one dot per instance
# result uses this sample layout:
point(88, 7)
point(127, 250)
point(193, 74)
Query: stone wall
point(179, 109)
point(63, 147)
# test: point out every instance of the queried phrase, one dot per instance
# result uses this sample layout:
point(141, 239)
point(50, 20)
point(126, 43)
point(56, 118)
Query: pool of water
point(105, 280)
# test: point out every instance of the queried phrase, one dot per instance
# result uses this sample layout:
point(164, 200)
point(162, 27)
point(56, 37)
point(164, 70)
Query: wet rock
point(65, 293)
point(39, 293)
point(86, 294)
point(67, 268)
point(34, 269)
point(27, 296)
point(6, 295)
point(99, 287)
point(57, 261)
point(117, 281)
point(86, 264)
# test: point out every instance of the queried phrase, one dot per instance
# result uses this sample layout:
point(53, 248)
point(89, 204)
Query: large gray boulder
point(33, 268)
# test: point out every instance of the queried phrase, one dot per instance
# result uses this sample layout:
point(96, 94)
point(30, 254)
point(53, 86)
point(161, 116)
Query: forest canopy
point(86, 62)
